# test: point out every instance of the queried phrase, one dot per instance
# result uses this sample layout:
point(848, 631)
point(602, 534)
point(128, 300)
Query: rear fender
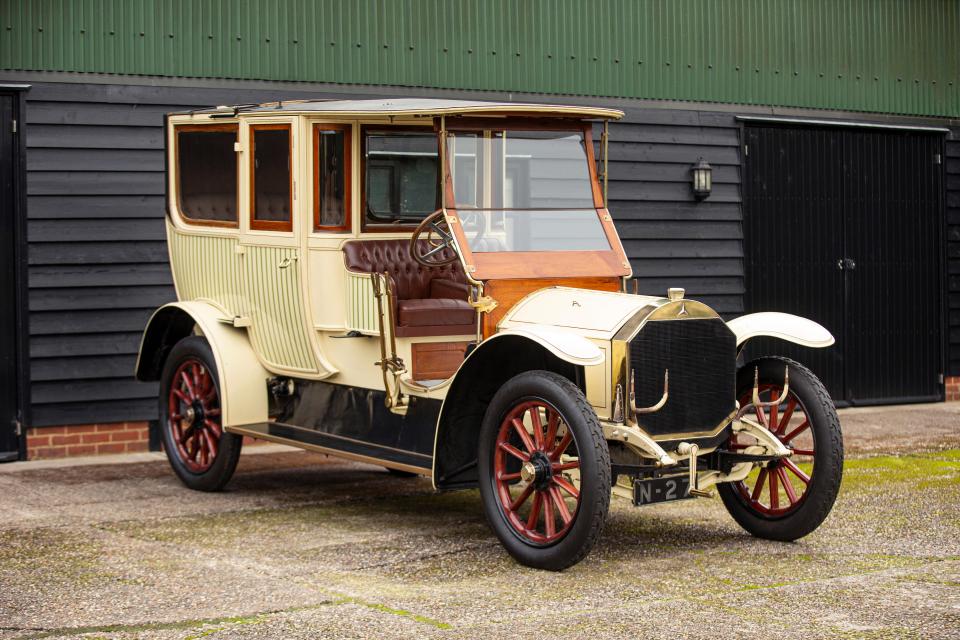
point(780, 325)
point(243, 388)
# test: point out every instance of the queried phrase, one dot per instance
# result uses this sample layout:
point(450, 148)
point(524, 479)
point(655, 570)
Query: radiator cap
point(675, 293)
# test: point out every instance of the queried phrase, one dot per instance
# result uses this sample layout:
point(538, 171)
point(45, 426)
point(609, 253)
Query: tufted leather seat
point(426, 301)
point(208, 206)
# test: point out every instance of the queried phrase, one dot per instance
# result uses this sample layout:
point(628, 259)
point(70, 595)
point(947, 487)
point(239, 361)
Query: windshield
point(524, 191)
point(520, 170)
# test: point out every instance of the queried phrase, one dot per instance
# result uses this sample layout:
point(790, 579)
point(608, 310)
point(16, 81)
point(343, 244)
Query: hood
point(593, 314)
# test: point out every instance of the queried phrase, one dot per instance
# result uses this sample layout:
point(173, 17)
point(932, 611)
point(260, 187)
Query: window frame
point(220, 126)
point(364, 130)
point(269, 225)
point(347, 130)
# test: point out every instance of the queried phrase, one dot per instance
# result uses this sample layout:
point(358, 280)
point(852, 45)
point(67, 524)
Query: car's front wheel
point(787, 499)
point(544, 470)
point(202, 455)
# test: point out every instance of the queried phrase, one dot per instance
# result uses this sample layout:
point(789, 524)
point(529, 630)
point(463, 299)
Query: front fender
point(485, 370)
point(781, 325)
point(567, 346)
point(243, 390)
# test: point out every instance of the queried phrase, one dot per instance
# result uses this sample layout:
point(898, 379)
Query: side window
point(331, 177)
point(271, 184)
point(401, 177)
point(207, 173)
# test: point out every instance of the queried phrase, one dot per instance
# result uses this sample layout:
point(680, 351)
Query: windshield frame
point(535, 264)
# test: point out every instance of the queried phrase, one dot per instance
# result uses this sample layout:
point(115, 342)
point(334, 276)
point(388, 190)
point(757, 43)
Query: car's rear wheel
point(788, 498)
point(202, 455)
point(544, 470)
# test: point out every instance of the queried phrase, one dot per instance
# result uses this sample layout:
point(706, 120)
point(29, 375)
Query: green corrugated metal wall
point(893, 56)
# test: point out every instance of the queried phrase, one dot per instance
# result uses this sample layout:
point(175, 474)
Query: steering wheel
point(430, 256)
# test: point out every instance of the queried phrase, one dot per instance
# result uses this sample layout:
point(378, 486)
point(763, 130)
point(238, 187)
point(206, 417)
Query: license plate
point(661, 490)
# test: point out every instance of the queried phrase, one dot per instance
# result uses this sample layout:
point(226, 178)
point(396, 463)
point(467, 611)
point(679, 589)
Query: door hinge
point(13, 126)
point(940, 378)
point(937, 158)
point(17, 427)
point(746, 149)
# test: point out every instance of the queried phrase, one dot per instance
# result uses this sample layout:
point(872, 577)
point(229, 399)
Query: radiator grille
point(701, 356)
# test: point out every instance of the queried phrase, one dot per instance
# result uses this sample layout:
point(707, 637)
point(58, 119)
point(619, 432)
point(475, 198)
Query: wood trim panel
point(269, 225)
point(177, 128)
point(509, 292)
point(347, 130)
point(437, 360)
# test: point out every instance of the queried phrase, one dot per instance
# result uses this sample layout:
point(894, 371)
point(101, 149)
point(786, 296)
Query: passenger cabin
point(296, 220)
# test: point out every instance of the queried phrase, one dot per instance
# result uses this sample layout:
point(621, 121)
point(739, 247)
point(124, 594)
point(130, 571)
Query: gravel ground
point(304, 546)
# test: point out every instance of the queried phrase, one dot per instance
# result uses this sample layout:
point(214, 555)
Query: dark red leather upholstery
point(426, 301)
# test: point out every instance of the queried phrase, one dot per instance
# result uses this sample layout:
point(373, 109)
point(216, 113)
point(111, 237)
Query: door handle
point(286, 262)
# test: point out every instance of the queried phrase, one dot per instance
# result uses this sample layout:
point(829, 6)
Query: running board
point(339, 446)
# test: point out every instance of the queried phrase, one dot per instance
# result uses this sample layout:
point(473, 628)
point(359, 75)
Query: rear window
point(207, 173)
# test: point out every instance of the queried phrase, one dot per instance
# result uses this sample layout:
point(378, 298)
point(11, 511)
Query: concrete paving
point(304, 546)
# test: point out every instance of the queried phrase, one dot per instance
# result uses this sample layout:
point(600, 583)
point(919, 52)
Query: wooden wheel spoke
point(772, 422)
point(562, 446)
point(180, 396)
point(565, 466)
point(537, 427)
point(189, 385)
point(787, 485)
point(774, 492)
point(761, 478)
point(553, 423)
point(567, 486)
point(787, 415)
point(512, 450)
point(797, 471)
point(518, 502)
point(507, 477)
point(535, 512)
point(524, 436)
point(803, 452)
point(793, 434)
point(548, 518)
point(213, 426)
point(561, 505)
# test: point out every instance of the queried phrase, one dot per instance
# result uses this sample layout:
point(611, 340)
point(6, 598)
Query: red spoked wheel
point(788, 498)
point(200, 452)
point(193, 417)
point(535, 466)
point(780, 487)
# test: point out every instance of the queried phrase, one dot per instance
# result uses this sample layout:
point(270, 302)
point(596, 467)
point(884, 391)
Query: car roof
point(416, 106)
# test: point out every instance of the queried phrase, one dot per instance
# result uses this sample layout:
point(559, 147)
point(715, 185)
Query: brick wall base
point(86, 440)
point(952, 387)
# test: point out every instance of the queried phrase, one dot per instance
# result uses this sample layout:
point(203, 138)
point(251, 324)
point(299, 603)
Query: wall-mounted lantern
point(702, 179)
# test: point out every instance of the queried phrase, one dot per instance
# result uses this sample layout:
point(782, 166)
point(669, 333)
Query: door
point(842, 225)
point(10, 233)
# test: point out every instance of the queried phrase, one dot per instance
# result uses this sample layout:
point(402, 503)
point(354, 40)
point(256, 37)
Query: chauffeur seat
point(426, 301)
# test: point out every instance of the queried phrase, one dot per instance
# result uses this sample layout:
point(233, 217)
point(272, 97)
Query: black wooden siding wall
point(98, 259)
point(952, 168)
point(673, 240)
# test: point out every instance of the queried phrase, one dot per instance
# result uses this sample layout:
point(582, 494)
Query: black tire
point(217, 469)
point(554, 395)
point(813, 506)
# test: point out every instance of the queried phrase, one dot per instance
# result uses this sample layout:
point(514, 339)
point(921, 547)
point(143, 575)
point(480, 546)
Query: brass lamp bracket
point(653, 408)
point(756, 389)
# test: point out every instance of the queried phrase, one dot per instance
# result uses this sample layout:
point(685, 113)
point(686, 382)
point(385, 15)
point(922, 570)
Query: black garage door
point(843, 225)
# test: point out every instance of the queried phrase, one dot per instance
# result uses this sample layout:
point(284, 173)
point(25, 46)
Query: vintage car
point(438, 288)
